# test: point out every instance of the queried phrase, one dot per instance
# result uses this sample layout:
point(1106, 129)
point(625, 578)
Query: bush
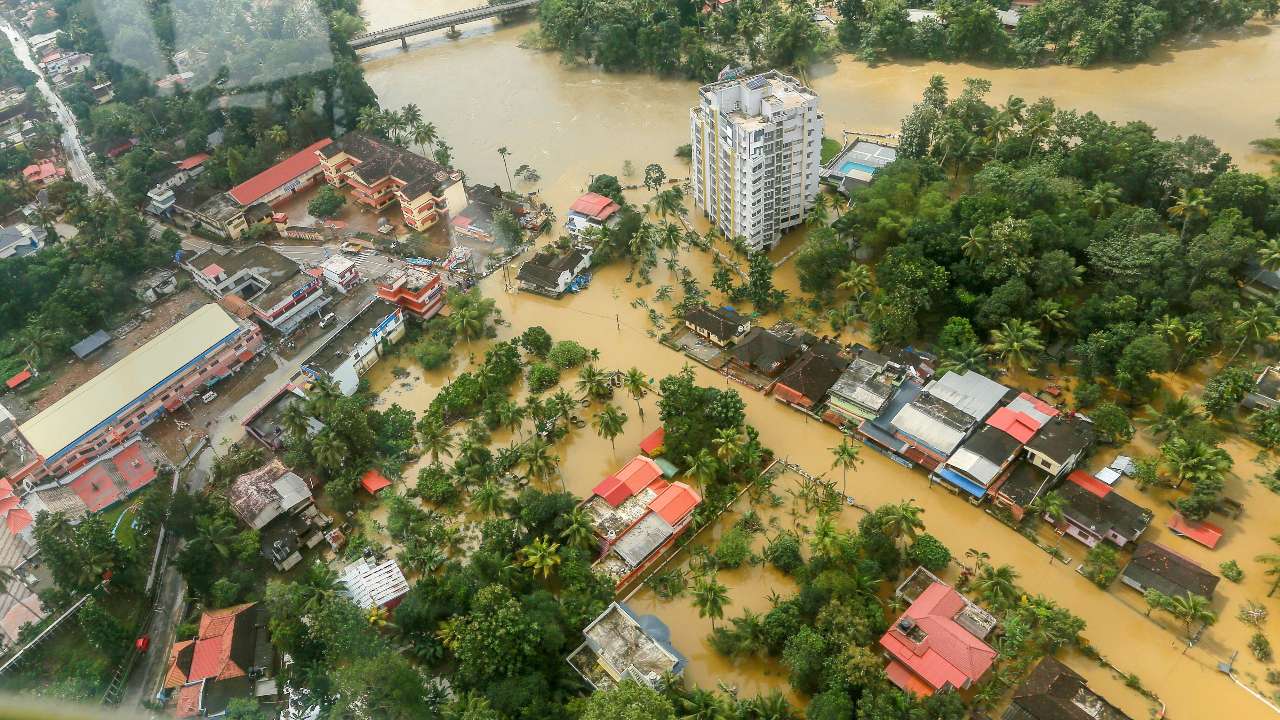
point(783, 552)
point(1231, 571)
point(1101, 565)
point(536, 341)
point(568, 354)
point(684, 151)
point(542, 377)
point(432, 352)
point(734, 548)
point(435, 486)
point(929, 551)
point(1260, 646)
point(326, 203)
point(1087, 395)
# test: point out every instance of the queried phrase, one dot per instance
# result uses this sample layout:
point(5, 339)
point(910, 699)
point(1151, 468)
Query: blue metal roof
point(961, 482)
point(86, 346)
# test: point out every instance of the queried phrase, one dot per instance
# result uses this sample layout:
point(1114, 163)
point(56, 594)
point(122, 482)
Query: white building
point(374, 582)
point(756, 148)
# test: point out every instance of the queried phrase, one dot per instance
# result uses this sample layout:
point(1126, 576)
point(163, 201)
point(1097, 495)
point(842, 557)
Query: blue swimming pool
point(851, 165)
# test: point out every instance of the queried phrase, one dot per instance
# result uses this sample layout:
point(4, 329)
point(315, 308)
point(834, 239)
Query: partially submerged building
point(856, 164)
point(983, 460)
point(157, 378)
point(418, 292)
point(277, 290)
point(357, 346)
point(230, 657)
point(933, 425)
point(551, 271)
point(374, 582)
point(721, 326)
point(1054, 691)
point(937, 644)
point(763, 352)
point(277, 503)
point(380, 173)
point(623, 645)
point(864, 388)
point(1095, 512)
point(1156, 567)
point(805, 382)
point(265, 422)
point(591, 211)
point(637, 514)
point(1266, 390)
point(1061, 444)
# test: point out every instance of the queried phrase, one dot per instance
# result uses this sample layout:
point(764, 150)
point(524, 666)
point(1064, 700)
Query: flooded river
point(484, 91)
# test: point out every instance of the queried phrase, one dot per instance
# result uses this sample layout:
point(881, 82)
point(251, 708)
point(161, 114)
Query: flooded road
point(485, 91)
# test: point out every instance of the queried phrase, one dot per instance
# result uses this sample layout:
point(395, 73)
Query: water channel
point(484, 91)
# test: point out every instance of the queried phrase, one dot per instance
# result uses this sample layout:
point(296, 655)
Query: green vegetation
point(1231, 571)
point(830, 148)
point(327, 203)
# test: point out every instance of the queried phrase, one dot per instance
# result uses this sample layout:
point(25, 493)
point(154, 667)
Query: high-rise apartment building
point(756, 147)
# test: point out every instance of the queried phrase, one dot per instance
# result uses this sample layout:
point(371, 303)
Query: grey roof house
point(1054, 691)
point(1156, 567)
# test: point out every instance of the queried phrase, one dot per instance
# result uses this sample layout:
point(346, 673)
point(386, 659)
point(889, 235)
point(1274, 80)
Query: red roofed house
point(1201, 531)
point(229, 214)
point(591, 211)
point(1094, 513)
point(653, 444)
point(374, 482)
point(935, 645)
point(420, 293)
point(230, 657)
point(192, 162)
point(43, 173)
point(631, 479)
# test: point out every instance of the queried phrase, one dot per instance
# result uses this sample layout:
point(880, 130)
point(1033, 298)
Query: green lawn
point(829, 149)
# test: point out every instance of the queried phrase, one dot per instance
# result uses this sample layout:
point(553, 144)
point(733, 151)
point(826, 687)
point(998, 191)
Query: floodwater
point(484, 91)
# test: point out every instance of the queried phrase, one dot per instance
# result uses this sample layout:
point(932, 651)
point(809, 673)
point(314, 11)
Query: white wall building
point(756, 143)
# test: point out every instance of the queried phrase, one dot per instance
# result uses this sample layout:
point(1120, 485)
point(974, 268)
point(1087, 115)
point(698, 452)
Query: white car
point(209, 396)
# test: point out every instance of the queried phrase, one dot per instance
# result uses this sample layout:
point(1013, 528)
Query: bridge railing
point(457, 15)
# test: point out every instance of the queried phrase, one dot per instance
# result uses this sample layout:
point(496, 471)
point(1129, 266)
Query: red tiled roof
point(373, 481)
point(96, 488)
point(212, 657)
point(676, 502)
point(650, 444)
point(1019, 425)
point(188, 701)
point(462, 221)
point(18, 379)
point(948, 654)
point(1203, 532)
point(594, 206)
point(253, 189)
point(212, 270)
point(17, 520)
point(194, 161)
point(902, 676)
point(42, 171)
point(631, 479)
point(177, 676)
point(134, 467)
point(1090, 483)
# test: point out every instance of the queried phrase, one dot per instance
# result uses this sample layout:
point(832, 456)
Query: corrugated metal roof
point(913, 421)
point(83, 409)
point(973, 394)
point(642, 539)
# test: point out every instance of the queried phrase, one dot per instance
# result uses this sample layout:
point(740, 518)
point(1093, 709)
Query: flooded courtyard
point(485, 91)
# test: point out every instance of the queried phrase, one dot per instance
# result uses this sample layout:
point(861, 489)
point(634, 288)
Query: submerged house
point(806, 382)
point(277, 502)
point(637, 514)
point(1054, 691)
point(934, 424)
point(550, 271)
point(1266, 390)
point(984, 459)
point(1156, 567)
point(591, 211)
point(763, 352)
point(1095, 512)
point(938, 644)
point(373, 582)
point(863, 390)
point(623, 645)
point(721, 326)
point(1061, 444)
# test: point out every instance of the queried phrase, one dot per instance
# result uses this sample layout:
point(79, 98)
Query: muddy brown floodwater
point(484, 91)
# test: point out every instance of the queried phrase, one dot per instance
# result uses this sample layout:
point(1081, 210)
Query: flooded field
point(485, 92)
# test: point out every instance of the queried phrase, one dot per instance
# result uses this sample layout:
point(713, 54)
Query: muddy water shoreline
point(484, 91)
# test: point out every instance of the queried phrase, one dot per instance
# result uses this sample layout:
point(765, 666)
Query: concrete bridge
point(439, 22)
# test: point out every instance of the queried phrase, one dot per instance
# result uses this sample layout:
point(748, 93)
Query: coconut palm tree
point(217, 533)
point(1155, 600)
point(845, 457)
point(489, 498)
point(710, 597)
point(37, 344)
point(961, 358)
point(702, 467)
point(979, 557)
point(1269, 254)
point(1016, 342)
point(1190, 609)
point(434, 437)
point(1194, 460)
point(728, 443)
point(1102, 199)
point(504, 152)
point(1256, 323)
point(539, 461)
point(593, 383)
point(424, 135)
point(511, 416)
point(329, 450)
point(842, 316)
point(324, 394)
point(902, 519)
point(277, 135)
point(561, 404)
point(1050, 315)
point(1271, 561)
point(295, 421)
point(1175, 415)
point(670, 203)
point(826, 540)
point(973, 245)
point(997, 585)
point(1054, 505)
point(319, 587)
point(542, 555)
point(857, 279)
point(637, 384)
point(609, 422)
point(579, 532)
point(1191, 204)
